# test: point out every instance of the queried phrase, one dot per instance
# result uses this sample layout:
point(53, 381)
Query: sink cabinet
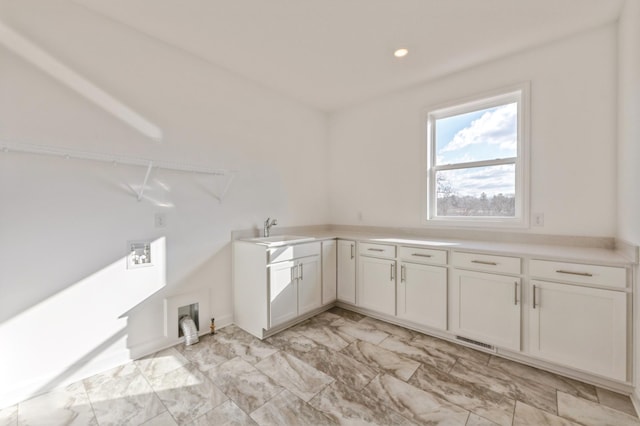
point(275, 286)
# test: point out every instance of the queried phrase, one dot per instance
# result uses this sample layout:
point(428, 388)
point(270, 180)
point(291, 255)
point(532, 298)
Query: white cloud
point(496, 127)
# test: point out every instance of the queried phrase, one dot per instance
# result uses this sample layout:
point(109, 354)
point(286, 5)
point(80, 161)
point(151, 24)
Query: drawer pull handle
point(403, 273)
point(352, 247)
point(301, 273)
point(534, 297)
point(582, 274)
point(375, 249)
point(515, 293)
point(421, 255)
point(483, 262)
point(393, 272)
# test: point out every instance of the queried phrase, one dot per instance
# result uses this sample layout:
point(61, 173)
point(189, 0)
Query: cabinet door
point(377, 285)
point(580, 327)
point(347, 271)
point(283, 293)
point(422, 294)
point(329, 260)
point(486, 307)
point(309, 284)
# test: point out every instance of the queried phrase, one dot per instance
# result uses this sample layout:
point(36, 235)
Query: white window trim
point(518, 92)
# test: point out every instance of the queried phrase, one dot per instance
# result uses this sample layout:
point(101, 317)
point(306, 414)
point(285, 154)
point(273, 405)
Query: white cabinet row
point(573, 315)
point(554, 313)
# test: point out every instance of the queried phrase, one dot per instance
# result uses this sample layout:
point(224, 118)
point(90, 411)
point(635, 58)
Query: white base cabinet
point(486, 307)
point(273, 286)
point(422, 295)
point(346, 276)
point(329, 271)
point(377, 284)
point(580, 327)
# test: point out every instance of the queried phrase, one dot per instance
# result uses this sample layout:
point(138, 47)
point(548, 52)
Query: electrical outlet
point(160, 220)
point(538, 219)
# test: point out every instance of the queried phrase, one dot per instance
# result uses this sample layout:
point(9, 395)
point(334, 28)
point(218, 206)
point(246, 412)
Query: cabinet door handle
point(403, 273)
point(393, 272)
point(515, 293)
point(352, 250)
point(534, 297)
point(375, 249)
point(484, 262)
point(421, 255)
point(582, 274)
point(301, 269)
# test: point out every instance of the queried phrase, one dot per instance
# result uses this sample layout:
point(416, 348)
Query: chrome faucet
point(268, 224)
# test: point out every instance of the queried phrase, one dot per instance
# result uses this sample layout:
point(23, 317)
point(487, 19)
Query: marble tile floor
point(339, 367)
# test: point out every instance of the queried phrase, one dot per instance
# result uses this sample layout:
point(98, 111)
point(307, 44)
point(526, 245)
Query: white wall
point(68, 305)
point(629, 145)
point(376, 147)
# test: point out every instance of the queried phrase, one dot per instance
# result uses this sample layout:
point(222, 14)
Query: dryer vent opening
point(190, 311)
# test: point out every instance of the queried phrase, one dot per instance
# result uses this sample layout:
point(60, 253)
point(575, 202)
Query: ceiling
point(334, 53)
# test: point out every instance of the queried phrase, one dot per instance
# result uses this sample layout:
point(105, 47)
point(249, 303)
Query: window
point(476, 169)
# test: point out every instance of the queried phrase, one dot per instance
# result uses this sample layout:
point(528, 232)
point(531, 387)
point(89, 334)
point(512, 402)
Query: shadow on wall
point(81, 328)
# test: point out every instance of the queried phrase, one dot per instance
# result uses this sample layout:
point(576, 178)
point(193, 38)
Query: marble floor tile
point(540, 396)
point(164, 419)
point(123, 399)
point(414, 403)
point(161, 362)
point(292, 342)
point(66, 406)
point(325, 318)
point(207, 353)
point(345, 405)
point(527, 415)
point(558, 382)
point(226, 414)
point(616, 401)
point(340, 366)
point(451, 348)
point(345, 313)
point(244, 345)
point(589, 413)
point(247, 386)
point(325, 335)
point(9, 416)
point(295, 375)
point(287, 409)
point(468, 395)
point(419, 352)
point(381, 359)
point(392, 329)
point(366, 332)
point(476, 420)
point(187, 393)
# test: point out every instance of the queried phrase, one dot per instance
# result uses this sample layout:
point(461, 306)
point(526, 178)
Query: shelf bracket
point(144, 183)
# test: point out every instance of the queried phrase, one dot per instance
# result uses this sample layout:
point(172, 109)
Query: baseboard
point(635, 399)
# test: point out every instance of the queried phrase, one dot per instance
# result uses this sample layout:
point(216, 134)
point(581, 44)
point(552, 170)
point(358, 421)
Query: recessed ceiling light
point(400, 53)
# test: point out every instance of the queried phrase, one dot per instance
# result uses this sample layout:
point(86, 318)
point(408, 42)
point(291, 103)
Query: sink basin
point(279, 240)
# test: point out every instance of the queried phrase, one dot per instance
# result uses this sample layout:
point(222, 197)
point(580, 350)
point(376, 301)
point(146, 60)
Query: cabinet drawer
point(280, 254)
point(377, 250)
point(486, 262)
point(422, 255)
point(609, 276)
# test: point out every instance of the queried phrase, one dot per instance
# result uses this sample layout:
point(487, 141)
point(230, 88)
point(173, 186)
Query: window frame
point(520, 95)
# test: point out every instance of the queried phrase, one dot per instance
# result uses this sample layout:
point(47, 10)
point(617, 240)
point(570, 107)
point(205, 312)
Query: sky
point(486, 134)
